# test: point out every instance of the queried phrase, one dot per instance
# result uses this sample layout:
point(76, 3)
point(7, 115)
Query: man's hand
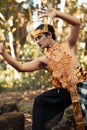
point(47, 12)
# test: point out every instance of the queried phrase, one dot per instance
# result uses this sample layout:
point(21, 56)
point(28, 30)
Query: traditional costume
point(71, 85)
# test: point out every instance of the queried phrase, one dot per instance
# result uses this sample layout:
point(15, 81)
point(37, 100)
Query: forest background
point(18, 18)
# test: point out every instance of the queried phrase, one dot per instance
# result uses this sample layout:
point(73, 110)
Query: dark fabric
point(47, 105)
point(82, 91)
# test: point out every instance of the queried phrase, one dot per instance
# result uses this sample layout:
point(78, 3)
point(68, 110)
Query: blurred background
point(18, 18)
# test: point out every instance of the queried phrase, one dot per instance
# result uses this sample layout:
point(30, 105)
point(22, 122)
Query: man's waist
point(80, 74)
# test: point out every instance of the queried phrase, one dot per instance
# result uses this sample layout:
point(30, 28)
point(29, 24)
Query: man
point(60, 61)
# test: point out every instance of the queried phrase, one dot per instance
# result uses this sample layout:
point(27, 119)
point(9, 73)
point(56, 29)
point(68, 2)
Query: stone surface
point(8, 107)
point(12, 121)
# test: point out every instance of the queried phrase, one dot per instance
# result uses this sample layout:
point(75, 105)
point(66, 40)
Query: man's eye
point(38, 37)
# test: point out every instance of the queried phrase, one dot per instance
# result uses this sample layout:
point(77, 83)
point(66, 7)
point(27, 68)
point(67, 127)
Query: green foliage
point(2, 66)
point(32, 81)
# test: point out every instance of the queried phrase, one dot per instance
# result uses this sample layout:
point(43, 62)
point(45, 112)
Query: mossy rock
point(12, 121)
point(8, 107)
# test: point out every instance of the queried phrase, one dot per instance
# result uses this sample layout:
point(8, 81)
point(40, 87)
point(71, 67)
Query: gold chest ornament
point(60, 65)
point(63, 75)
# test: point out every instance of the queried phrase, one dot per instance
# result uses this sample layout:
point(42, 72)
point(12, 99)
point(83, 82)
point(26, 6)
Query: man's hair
point(46, 28)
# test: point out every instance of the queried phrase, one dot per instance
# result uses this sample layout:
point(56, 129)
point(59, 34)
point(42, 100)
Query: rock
point(8, 107)
point(12, 121)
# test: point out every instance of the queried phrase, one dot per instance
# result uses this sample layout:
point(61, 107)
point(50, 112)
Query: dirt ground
point(24, 101)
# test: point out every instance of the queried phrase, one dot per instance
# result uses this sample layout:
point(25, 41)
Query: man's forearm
point(68, 18)
point(14, 63)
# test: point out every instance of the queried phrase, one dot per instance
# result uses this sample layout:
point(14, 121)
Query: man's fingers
point(42, 16)
point(43, 8)
point(40, 11)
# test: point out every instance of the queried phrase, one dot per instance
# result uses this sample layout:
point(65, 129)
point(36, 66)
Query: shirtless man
point(56, 100)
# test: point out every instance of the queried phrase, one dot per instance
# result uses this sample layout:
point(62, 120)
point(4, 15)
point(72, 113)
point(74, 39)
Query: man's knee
point(38, 100)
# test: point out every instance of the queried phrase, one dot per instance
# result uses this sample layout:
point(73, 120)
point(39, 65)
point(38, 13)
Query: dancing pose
point(61, 62)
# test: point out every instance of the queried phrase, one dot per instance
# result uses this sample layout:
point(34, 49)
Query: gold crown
point(39, 31)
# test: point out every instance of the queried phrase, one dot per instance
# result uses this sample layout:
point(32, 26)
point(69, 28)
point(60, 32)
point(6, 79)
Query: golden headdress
point(39, 31)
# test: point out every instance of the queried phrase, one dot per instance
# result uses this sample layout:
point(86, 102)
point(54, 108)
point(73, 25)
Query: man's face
point(42, 40)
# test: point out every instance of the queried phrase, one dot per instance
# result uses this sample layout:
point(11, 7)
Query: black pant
point(47, 105)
